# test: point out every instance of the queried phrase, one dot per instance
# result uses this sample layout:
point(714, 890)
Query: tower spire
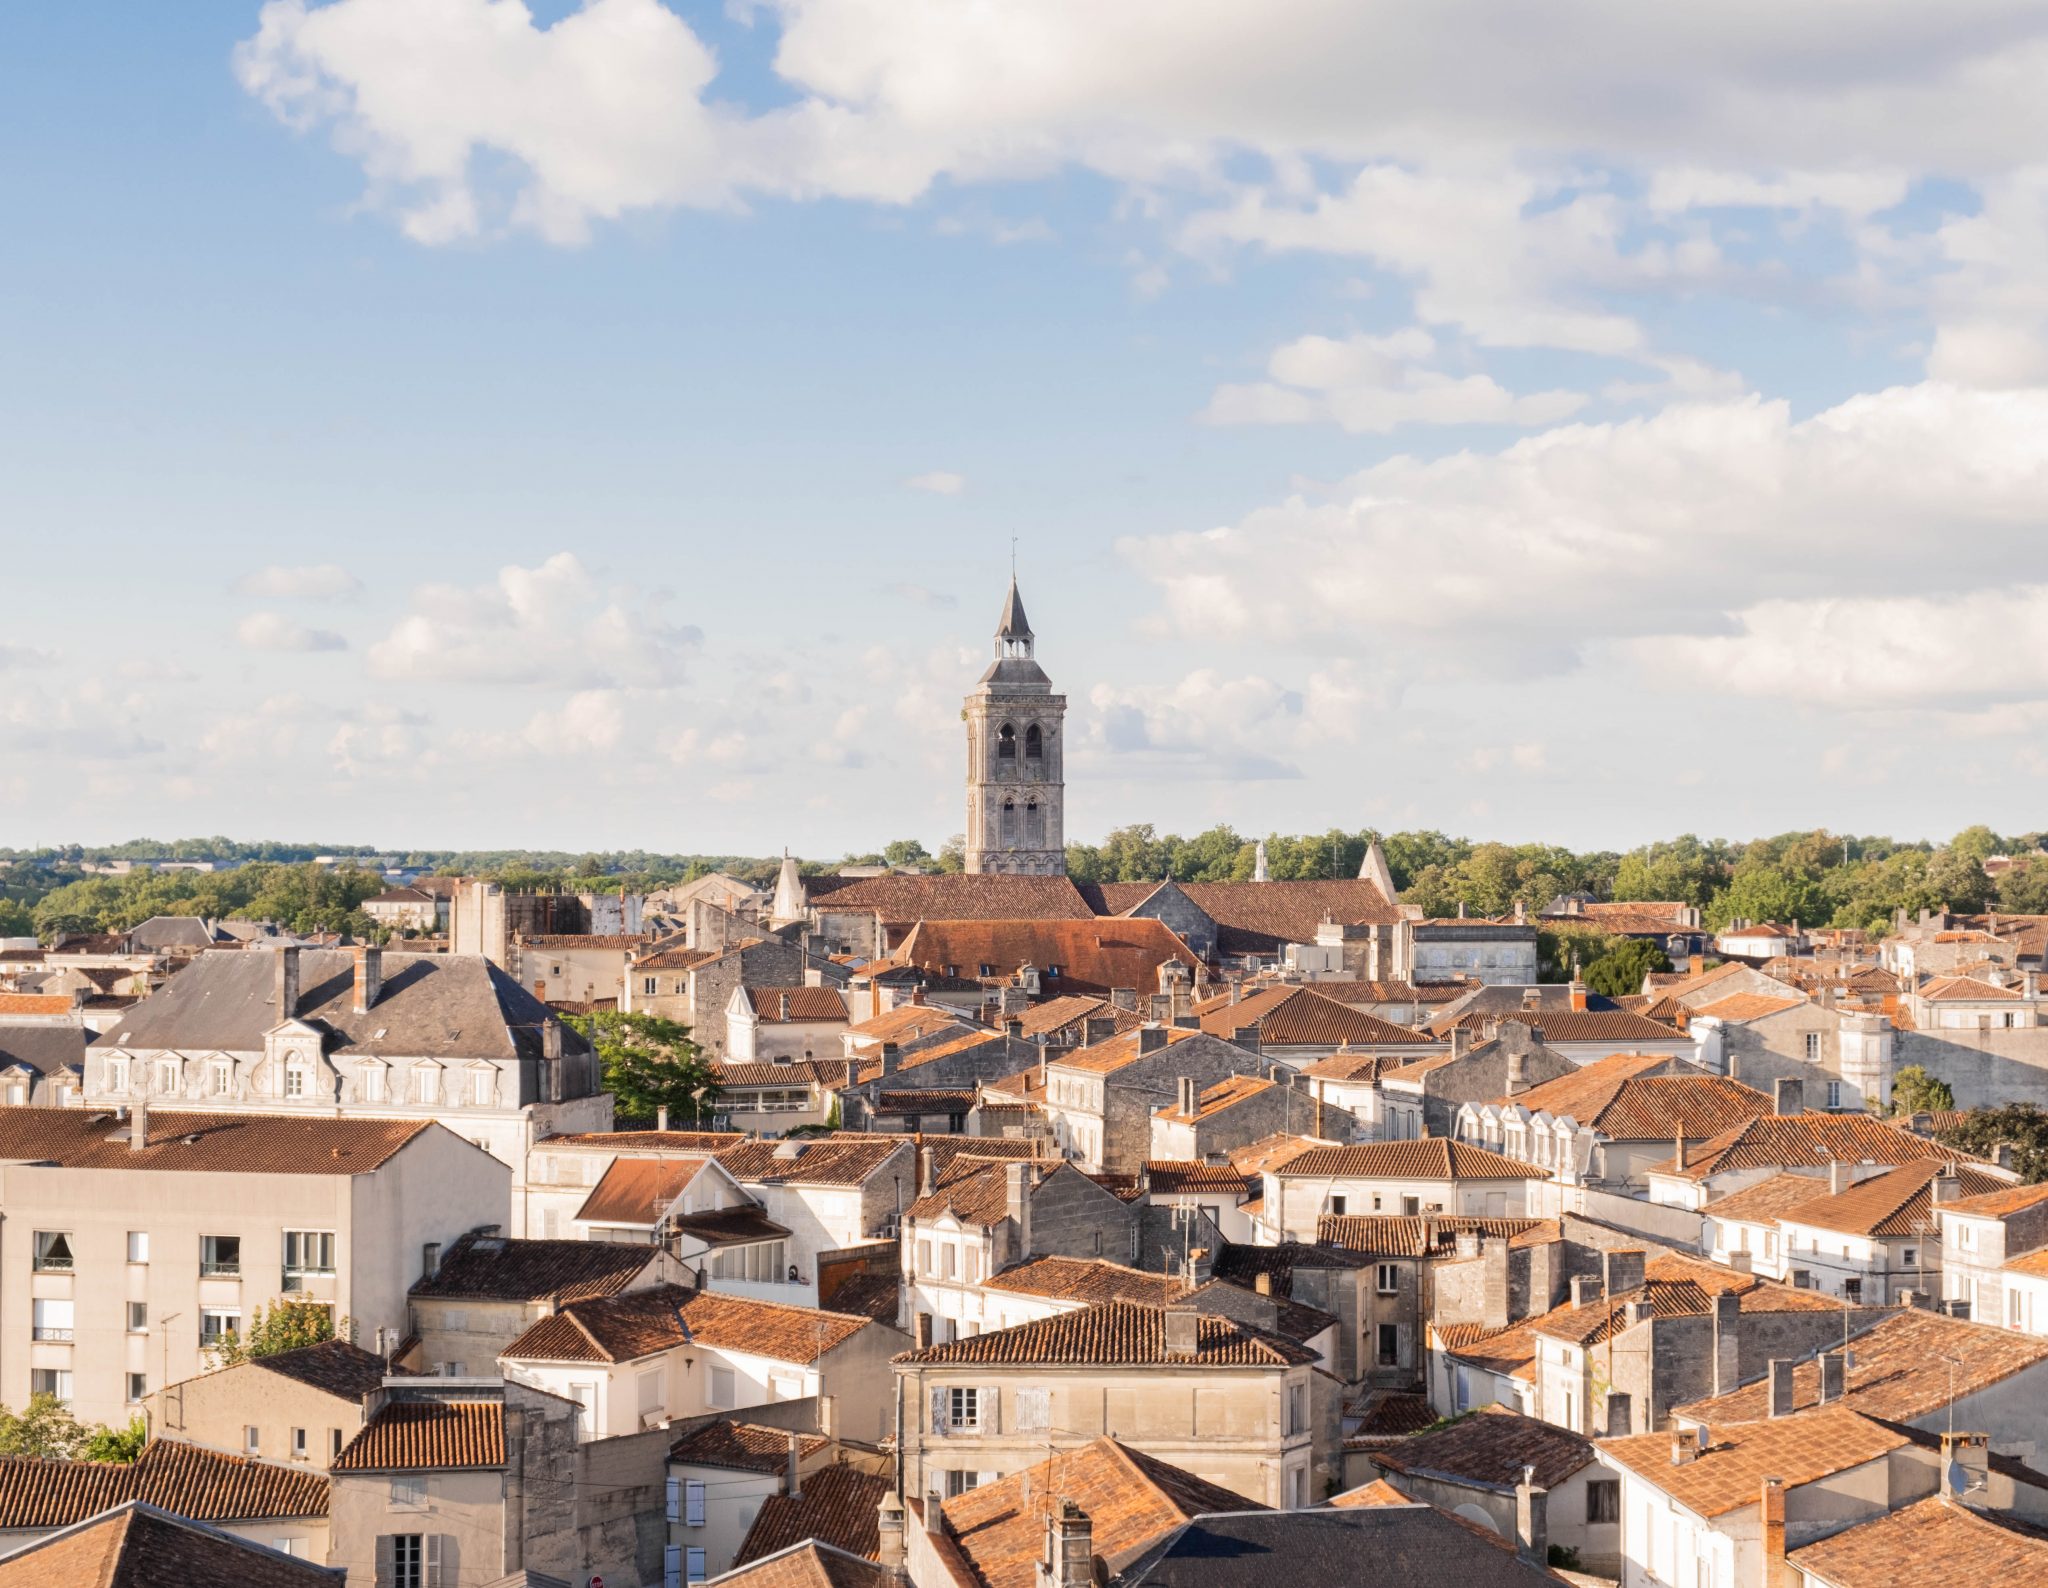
point(1013, 628)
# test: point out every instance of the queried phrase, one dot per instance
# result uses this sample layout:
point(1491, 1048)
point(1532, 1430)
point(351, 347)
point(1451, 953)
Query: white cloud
point(1517, 562)
point(589, 720)
point(313, 582)
point(271, 631)
point(1483, 759)
point(1205, 725)
point(549, 624)
point(938, 483)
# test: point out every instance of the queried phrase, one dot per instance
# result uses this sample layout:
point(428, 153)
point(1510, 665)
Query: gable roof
point(1116, 1334)
point(206, 1485)
point(1425, 1235)
point(810, 1565)
point(83, 1138)
point(1092, 955)
point(1132, 1500)
point(1434, 1158)
point(1490, 1449)
point(496, 1268)
point(1226, 1093)
point(1729, 1473)
point(637, 1191)
point(1126, 1047)
point(1264, 917)
point(808, 1005)
point(1935, 1538)
point(743, 1447)
point(1897, 1202)
point(843, 1160)
point(1415, 1546)
point(1807, 1141)
point(1301, 1016)
point(1085, 1279)
point(840, 1505)
point(338, 1367)
point(1737, 1008)
point(428, 1435)
point(952, 896)
point(1768, 1200)
point(138, 1545)
point(638, 1323)
point(1961, 989)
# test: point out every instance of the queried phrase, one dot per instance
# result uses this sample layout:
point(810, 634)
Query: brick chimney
point(1727, 1342)
point(1771, 1508)
point(1578, 992)
point(1517, 1081)
point(1069, 1550)
point(1841, 1176)
point(1461, 1041)
point(1097, 1028)
point(287, 998)
point(369, 978)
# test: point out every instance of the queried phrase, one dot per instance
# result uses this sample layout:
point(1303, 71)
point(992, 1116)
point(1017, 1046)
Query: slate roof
point(1490, 1448)
point(839, 1506)
point(639, 1323)
point(637, 1191)
point(1116, 1334)
point(440, 1006)
point(1132, 1501)
point(1728, 1475)
point(1936, 1537)
point(414, 1436)
point(206, 1485)
point(44, 1049)
point(1434, 1158)
point(1414, 1546)
point(496, 1268)
point(1085, 1279)
point(1899, 1371)
point(742, 1447)
point(137, 1545)
point(81, 1138)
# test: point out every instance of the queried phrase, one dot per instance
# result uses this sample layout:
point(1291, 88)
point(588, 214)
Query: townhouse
point(1790, 1139)
point(1100, 1100)
point(1874, 1239)
point(1985, 1241)
point(295, 1408)
point(561, 1169)
point(783, 1022)
point(834, 1195)
point(1298, 1025)
point(1422, 1097)
point(1405, 1177)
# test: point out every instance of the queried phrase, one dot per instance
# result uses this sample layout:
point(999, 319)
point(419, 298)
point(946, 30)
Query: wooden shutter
point(939, 1424)
point(387, 1560)
point(989, 1403)
point(693, 1503)
point(675, 1499)
point(440, 1572)
point(672, 1566)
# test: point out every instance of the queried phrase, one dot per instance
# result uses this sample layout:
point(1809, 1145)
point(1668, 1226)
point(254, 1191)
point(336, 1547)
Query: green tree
point(285, 1325)
point(905, 852)
point(2024, 889)
point(1914, 1091)
point(117, 1444)
point(46, 1431)
point(2022, 1125)
point(1620, 971)
point(16, 919)
point(649, 1064)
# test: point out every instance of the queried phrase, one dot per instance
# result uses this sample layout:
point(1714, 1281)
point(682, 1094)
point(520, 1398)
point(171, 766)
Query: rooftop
point(805, 1004)
point(1644, 1097)
point(83, 1138)
point(1415, 1546)
point(1085, 1279)
point(636, 1192)
point(743, 1447)
point(1431, 1159)
point(1125, 1048)
point(1116, 1334)
point(1226, 1093)
point(414, 1436)
point(1807, 1141)
point(1939, 1536)
point(1303, 1017)
point(809, 1565)
point(839, 1506)
point(495, 1268)
point(206, 1485)
point(1490, 1448)
point(639, 1323)
point(138, 1545)
point(1728, 1475)
point(843, 1160)
point(1897, 1202)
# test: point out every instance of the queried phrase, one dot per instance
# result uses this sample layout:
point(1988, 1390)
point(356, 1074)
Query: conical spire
point(1374, 869)
point(788, 905)
point(1014, 625)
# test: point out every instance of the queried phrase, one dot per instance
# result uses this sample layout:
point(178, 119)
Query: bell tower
point(1016, 755)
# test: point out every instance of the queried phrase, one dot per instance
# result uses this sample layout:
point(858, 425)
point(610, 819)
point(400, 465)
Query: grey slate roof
point(1381, 1546)
point(44, 1049)
point(172, 931)
point(457, 1006)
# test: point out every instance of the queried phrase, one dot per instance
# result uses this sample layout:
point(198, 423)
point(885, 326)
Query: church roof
point(1013, 625)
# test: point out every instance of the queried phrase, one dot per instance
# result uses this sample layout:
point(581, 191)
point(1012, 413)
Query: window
point(1337, 1205)
point(1620, 1416)
point(166, 1077)
point(1387, 1280)
point(334, 1444)
point(1852, 1290)
point(373, 1083)
point(408, 1560)
point(220, 1077)
point(426, 1083)
point(1410, 1206)
point(1813, 1047)
point(295, 1080)
point(963, 1408)
point(1034, 743)
point(1034, 1410)
point(307, 1252)
point(138, 1387)
point(1388, 1352)
point(53, 1252)
point(1297, 1408)
point(295, 1547)
point(138, 1317)
point(117, 1075)
point(950, 1258)
point(298, 1444)
point(1571, 1411)
point(1834, 1094)
point(51, 1381)
point(430, 1259)
point(1297, 1488)
point(1006, 743)
point(924, 1257)
point(482, 1083)
point(1910, 1256)
point(252, 1439)
point(1603, 1500)
point(52, 1319)
point(217, 1321)
point(647, 986)
point(693, 1503)
point(408, 1493)
point(220, 1256)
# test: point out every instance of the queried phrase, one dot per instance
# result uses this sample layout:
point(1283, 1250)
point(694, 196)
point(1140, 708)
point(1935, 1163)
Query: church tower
point(1016, 786)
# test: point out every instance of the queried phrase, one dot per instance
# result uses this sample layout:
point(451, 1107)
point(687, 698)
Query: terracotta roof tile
point(1116, 1334)
point(809, 1005)
point(2006, 1200)
point(906, 1023)
point(1303, 1017)
point(781, 1072)
point(1094, 956)
point(1569, 1025)
point(744, 1447)
point(1264, 917)
point(1117, 1052)
point(78, 1138)
point(1491, 1447)
point(1386, 1414)
point(1377, 1492)
point(1962, 989)
point(1431, 1159)
point(205, 1485)
point(335, 1366)
point(1768, 1200)
point(1226, 1093)
point(637, 1191)
point(1272, 1152)
point(1897, 1202)
point(140, 1546)
point(840, 1506)
point(1170, 1177)
point(682, 1141)
point(1808, 1141)
point(639, 1323)
point(1085, 1279)
point(409, 1436)
point(1395, 1235)
point(938, 1100)
point(1743, 1006)
point(842, 1160)
point(955, 896)
point(1729, 1474)
point(1345, 1066)
point(810, 1565)
point(1936, 1538)
point(14, 1003)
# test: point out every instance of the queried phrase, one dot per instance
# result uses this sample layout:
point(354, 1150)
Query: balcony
point(54, 1264)
point(45, 1331)
point(226, 1269)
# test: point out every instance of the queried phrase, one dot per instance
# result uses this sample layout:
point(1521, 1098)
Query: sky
point(467, 423)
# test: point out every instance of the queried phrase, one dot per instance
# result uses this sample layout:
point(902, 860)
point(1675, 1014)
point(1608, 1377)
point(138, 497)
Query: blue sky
point(447, 422)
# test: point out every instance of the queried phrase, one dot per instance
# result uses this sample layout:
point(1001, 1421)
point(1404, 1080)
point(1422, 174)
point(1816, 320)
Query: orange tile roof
point(1729, 1473)
point(810, 1565)
point(1961, 989)
point(1171, 1177)
point(1420, 1235)
point(137, 1545)
point(639, 1323)
point(687, 1141)
point(843, 1160)
point(1674, 1287)
point(1118, 1051)
point(1085, 1279)
point(1346, 1066)
point(1432, 1159)
point(974, 1191)
point(1271, 1152)
point(955, 896)
point(1132, 1500)
point(1768, 1200)
point(1900, 1369)
point(810, 1005)
point(1897, 1202)
point(1808, 1141)
point(14, 1003)
point(1740, 1007)
point(1094, 956)
point(907, 1022)
point(840, 1505)
point(1263, 917)
point(1377, 1492)
point(84, 1138)
point(1226, 1093)
point(205, 1485)
point(1492, 1447)
point(409, 1436)
point(1936, 1538)
point(1070, 1009)
point(500, 1269)
point(1587, 1093)
point(2007, 1199)
point(1115, 1334)
point(637, 1191)
point(1303, 1017)
point(742, 1447)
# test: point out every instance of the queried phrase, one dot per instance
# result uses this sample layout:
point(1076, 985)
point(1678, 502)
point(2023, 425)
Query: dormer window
point(117, 1075)
point(295, 1078)
point(426, 1083)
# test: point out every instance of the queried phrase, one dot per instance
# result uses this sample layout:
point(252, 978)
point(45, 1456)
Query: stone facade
point(1016, 757)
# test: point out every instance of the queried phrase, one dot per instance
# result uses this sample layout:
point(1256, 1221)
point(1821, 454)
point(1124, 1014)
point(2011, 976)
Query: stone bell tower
point(1016, 755)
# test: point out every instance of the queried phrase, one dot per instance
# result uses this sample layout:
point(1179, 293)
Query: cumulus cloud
point(314, 581)
point(1520, 560)
point(938, 483)
point(272, 631)
point(549, 624)
point(589, 720)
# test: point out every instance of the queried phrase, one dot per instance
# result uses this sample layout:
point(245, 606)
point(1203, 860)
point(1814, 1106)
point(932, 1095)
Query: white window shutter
point(437, 1573)
point(693, 1503)
point(938, 1410)
point(694, 1563)
point(989, 1406)
point(672, 1566)
point(675, 1499)
point(387, 1560)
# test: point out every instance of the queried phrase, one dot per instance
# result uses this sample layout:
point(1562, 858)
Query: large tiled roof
point(906, 1023)
point(743, 1447)
point(1273, 1152)
point(1587, 1093)
point(1768, 1200)
point(637, 1191)
point(1570, 1025)
point(495, 1268)
point(972, 1190)
point(1729, 1473)
point(206, 1485)
point(1346, 1066)
point(1119, 1050)
point(1264, 917)
point(780, 1072)
point(439, 1006)
point(137, 1545)
point(1385, 1414)
point(1491, 1447)
point(1226, 1093)
point(338, 1367)
point(840, 1505)
point(1085, 1279)
point(1416, 1546)
point(843, 1160)
point(1377, 1492)
point(638, 1323)
point(1900, 1369)
point(1116, 1334)
point(1433, 1159)
point(944, 1047)
point(684, 1141)
point(79, 1138)
point(1897, 1202)
point(19, 1003)
point(1998, 1204)
point(412, 1436)
point(1303, 1017)
point(1093, 956)
point(809, 1565)
point(1961, 989)
point(809, 1004)
point(1808, 1141)
point(43, 1049)
point(954, 896)
point(1678, 1286)
point(1395, 1235)
point(1171, 1177)
point(1745, 1006)
point(1056, 1013)
point(1132, 1501)
point(1934, 1540)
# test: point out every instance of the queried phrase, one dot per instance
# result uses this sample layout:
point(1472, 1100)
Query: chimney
point(1771, 1508)
point(795, 1481)
point(1496, 1290)
point(1461, 1042)
point(1965, 1464)
point(287, 983)
point(2001, 1155)
point(1789, 1095)
point(1946, 1186)
point(782, 1007)
point(889, 1525)
point(1696, 965)
point(1151, 1038)
point(138, 1125)
point(1465, 1243)
point(1834, 1374)
point(1014, 1027)
point(1688, 1442)
point(892, 1056)
point(1578, 995)
point(927, 1173)
point(1017, 1190)
point(1263, 1284)
point(1841, 1176)
point(1097, 1028)
point(369, 977)
point(1069, 1550)
point(661, 1117)
point(550, 1038)
point(1532, 999)
point(1678, 1150)
point(1184, 1098)
point(1124, 998)
point(1782, 1398)
point(1179, 1324)
point(1585, 1290)
point(1516, 1080)
point(1727, 1342)
point(1532, 1521)
point(1246, 1037)
point(1622, 1271)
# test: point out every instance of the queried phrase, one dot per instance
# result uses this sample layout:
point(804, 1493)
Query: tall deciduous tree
point(649, 1064)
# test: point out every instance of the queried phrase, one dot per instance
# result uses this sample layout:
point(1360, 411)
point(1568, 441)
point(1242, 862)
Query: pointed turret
point(788, 907)
point(1374, 869)
point(1014, 627)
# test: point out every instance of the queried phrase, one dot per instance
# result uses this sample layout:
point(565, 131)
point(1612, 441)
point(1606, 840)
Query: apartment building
point(1400, 1177)
point(297, 1408)
point(561, 1169)
point(132, 1246)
